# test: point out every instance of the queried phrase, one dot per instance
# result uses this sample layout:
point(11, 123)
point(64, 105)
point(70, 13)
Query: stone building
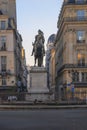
point(28, 78)
point(24, 71)
point(50, 64)
point(10, 47)
point(71, 50)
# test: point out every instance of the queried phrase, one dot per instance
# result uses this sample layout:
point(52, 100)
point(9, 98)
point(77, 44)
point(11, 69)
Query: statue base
point(38, 85)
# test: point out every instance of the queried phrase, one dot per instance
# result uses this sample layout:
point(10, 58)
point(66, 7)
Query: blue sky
point(33, 15)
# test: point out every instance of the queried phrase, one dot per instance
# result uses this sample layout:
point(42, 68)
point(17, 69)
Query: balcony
point(81, 41)
point(71, 66)
point(76, 65)
point(73, 2)
point(80, 84)
point(72, 19)
point(3, 48)
point(5, 72)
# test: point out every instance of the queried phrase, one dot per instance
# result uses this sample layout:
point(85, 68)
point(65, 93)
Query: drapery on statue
point(38, 48)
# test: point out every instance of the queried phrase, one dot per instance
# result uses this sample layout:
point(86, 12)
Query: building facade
point(50, 64)
point(10, 47)
point(24, 71)
point(71, 50)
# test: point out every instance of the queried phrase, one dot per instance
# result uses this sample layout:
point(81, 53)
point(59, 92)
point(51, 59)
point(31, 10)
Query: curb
point(31, 107)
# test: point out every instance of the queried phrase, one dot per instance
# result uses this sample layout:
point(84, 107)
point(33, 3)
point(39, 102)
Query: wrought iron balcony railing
point(78, 18)
point(3, 49)
point(5, 72)
point(71, 66)
point(80, 84)
point(70, 2)
point(72, 19)
point(81, 41)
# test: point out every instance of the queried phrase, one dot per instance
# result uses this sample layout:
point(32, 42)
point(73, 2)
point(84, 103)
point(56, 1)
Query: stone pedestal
point(38, 85)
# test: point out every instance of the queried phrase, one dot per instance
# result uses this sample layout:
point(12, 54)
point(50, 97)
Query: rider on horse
point(38, 46)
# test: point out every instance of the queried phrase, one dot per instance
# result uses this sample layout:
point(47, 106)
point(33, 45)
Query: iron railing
point(71, 66)
point(71, 2)
point(4, 73)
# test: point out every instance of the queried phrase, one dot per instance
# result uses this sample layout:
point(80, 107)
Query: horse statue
point(38, 49)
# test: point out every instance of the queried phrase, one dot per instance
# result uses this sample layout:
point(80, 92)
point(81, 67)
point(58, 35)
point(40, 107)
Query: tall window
point(3, 63)
point(84, 76)
point(4, 81)
point(81, 59)
point(80, 36)
point(75, 76)
point(3, 43)
point(80, 14)
point(3, 25)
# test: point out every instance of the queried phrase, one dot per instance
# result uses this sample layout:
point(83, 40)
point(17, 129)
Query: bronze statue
point(38, 48)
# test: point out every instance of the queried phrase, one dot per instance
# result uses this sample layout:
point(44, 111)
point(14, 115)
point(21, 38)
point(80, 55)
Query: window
point(3, 63)
point(4, 81)
point(84, 76)
point(81, 59)
point(80, 14)
point(3, 25)
point(1, 12)
point(75, 76)
point(3, 43)
point(80, 36)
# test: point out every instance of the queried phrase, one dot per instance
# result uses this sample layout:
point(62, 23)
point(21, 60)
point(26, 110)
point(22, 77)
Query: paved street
point(44, 120)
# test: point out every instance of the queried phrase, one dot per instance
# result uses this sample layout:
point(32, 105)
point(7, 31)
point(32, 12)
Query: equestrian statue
point(38, 49)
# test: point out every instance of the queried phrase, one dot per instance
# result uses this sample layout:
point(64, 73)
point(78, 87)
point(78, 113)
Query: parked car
point(12, 98)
